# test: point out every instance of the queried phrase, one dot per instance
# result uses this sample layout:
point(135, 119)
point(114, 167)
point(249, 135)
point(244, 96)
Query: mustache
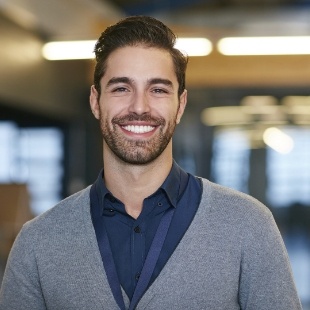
point(142, 118)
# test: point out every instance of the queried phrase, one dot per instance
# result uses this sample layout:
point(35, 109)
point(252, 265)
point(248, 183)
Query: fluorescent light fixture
point(278, 140)
point(65, 50)
point(299, 45)
point(225, 116)
point(258, 101)
point(292, 101)
point(194, 46)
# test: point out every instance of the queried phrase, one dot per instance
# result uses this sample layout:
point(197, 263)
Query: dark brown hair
point(133, 31)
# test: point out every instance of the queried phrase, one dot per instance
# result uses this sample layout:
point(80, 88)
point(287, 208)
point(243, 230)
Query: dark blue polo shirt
point(130, 239)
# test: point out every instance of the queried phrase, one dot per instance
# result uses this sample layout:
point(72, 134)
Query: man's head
point(139, 94)
point(134, 31)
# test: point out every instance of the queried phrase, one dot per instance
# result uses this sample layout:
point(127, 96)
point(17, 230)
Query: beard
point(137, 151)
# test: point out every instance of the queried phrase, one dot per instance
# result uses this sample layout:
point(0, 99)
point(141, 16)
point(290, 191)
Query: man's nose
point(140, 104)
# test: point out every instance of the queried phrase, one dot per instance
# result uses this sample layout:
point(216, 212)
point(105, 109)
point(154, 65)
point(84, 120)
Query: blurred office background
point(247, 124)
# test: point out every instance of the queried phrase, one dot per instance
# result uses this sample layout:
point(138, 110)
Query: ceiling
point(85, 18)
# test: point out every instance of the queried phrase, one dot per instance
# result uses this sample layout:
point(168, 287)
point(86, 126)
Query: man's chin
point(137, 160)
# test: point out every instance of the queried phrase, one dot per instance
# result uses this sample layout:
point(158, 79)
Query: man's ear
point(182, 105)
point(94, 101)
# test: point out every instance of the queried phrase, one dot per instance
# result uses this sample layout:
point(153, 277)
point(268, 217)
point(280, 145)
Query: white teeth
point(138, 129)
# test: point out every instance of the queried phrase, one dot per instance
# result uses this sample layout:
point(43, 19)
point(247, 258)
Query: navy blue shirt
point(130, 239)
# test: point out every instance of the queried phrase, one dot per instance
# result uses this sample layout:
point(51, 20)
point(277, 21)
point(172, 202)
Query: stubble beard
point(137, 151)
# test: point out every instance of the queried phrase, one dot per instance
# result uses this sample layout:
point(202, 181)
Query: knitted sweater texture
point(231, 257)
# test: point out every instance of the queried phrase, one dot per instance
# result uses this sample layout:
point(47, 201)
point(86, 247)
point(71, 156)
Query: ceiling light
point(194, 46)
point(65, 50)
point(292, 101)
point(225, 116)
point(233, 46)
point(278, 140)
point(254, 101)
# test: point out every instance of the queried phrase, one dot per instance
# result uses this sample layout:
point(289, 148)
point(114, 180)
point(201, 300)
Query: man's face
point(139, 106)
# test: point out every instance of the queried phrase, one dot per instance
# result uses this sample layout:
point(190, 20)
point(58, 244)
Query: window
point(33, 156)
point(230, 161)
point(289, 174)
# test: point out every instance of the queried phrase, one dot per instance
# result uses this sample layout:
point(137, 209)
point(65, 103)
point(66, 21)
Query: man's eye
point(119, 89)
point(160, 91)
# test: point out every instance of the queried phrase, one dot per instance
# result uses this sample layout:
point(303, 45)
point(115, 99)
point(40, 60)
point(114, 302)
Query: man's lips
point(138, 128)
point(138, 124)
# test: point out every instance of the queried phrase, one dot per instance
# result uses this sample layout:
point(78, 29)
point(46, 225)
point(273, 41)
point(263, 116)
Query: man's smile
point(138, 128)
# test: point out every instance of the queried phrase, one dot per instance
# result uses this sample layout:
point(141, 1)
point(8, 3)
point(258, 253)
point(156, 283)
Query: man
point(146, 234)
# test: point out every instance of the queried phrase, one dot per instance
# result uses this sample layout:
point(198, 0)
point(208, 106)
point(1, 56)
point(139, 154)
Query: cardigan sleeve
point(266, 279)
point(20, 288)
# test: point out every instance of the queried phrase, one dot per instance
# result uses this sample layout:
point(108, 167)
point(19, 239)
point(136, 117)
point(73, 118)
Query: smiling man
point(139, 105)
point(147, 234)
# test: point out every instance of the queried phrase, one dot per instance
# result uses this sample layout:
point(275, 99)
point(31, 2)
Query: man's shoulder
point(219, 198)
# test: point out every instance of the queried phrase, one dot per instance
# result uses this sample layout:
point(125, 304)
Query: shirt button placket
point(137, 229)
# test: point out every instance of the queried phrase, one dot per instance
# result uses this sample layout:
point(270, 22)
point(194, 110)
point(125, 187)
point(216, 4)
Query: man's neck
point(131, 184)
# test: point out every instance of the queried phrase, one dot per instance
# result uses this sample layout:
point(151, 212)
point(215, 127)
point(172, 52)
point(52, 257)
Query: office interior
point(246, 125)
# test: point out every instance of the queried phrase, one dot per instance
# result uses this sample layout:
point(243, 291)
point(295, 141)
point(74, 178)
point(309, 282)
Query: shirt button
point(108, 212)
point(137, 276)
point(137, 229)
point(160, 204)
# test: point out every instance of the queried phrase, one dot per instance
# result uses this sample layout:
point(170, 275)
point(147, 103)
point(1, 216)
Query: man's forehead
point(138, 62)
point(130, 51)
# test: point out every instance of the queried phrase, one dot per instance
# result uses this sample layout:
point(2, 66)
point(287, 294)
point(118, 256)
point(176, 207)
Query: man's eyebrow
point(116, 80)
point(160, 81)
point(127, 80)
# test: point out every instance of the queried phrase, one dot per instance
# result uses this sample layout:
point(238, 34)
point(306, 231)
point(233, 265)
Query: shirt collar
point(171, 185)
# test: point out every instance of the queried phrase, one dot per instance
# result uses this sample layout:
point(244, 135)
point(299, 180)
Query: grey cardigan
point(231, 257)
